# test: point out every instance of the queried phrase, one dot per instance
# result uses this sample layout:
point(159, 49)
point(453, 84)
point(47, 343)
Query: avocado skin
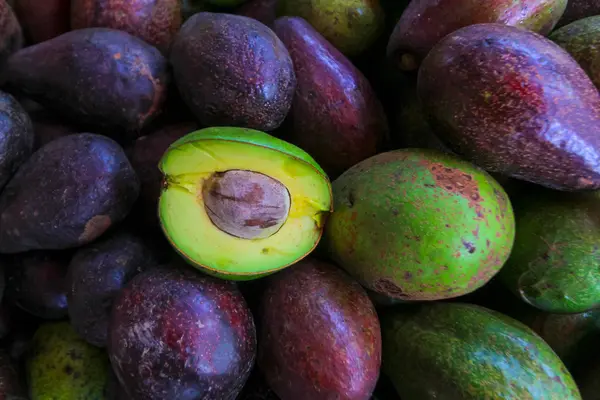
point(67, 194)
point(582, 40)
point(335, 116)
point(104, 80)
point(515, 103)
point(232, 70)
point(554, 262)
point(456, 351)
point(16, 137)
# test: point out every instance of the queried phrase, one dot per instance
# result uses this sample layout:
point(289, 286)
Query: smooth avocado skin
point(350, 25)
point(192, 160)
point(554, 264)
point(456, 351)
point(63, 366)
point(416, 224)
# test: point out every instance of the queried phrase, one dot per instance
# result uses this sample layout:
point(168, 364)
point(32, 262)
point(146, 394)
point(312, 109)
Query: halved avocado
point(240, 204)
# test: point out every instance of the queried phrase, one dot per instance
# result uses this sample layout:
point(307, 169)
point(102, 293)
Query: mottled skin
point(96, 275)
point(264, 11)
point(177, 334)
point(11, 387)
point(16, 137)
point(99, 78)
point(578, 9)
point(37, 283)
point(327, 343)
point(467, 352)
point(582, 40)
point(232, 70)
point(145, 155)
point(335, 115)
point(419, 225)
point(154, 21)
point(67, 194)
point(350, 25)
point(11, 33)
point(43, 20)
point(570, 335)
point(63, 366)
point(425, 22)
point(514, 102)
point(554, 264)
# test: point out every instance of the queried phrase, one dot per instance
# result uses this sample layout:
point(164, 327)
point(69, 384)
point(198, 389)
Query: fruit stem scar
point(246, 204)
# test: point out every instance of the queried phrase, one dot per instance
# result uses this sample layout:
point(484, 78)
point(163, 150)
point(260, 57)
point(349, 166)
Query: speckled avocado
point(456, 351)
point(419, 225)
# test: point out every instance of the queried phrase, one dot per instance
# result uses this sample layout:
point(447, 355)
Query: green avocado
point(457, 351)
point(555, 261)
point(63, 366)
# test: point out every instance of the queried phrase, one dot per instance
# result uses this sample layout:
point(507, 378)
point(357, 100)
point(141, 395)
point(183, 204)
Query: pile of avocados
point(300, 200)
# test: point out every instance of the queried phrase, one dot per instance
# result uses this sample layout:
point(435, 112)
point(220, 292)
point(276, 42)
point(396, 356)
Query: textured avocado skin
point(455, 351)
point(515, 103)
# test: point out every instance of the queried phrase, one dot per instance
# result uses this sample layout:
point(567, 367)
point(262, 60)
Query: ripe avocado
point(416, 224)
point(456, 351)
point(16, 137)
point(239, 203)
point(515, 103)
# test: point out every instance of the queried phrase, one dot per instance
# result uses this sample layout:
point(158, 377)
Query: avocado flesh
point(193, 159)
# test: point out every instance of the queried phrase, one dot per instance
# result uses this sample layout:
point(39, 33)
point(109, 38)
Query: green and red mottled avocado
point(579, 9)
point(104, 80)
point(417, 224)
point(514, 103)
point(154, 21)
point(425, 22)
point(582, 40)
point(16, 137)
point(456, 351)
point(327, 343)
point(350, 25)
point(188, 336)
point(232, 70)
point(63, 366)
point(95, 276)
point(67, 194)
point(554, 263)
point(43, 20)
point(10, 32)
point(335, 115)
point(239, 204)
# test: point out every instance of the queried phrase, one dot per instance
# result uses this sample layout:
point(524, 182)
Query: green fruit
point(239, 203)
point(350, 25)
point(554, 264)
point(419, 224)
point(455, 351)
point(63, 366)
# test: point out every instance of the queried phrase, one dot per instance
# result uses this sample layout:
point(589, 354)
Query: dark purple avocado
point(515, 103)
point(177, 334)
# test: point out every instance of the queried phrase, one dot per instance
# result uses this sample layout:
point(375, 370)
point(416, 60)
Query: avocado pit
point(246, 204)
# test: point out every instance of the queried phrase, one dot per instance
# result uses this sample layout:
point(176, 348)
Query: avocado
point(424, 23)
point(239, 203)
point(232, 70)
point(579, 9)
point(554, 263)
point(264, 11)
point(193, 336)
point(67, 194)
point(16, 137)
point(305, 353)
point(63, 366)
point(43, 20)
point(456, 351)
point(335, 115)
point(514, 103)
point(349, 25)
point(419, 224)
point(104, 80)
point(37, 283)
point(11, 386)
point(154, 21)
point(582, 40)
point(96, 274)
